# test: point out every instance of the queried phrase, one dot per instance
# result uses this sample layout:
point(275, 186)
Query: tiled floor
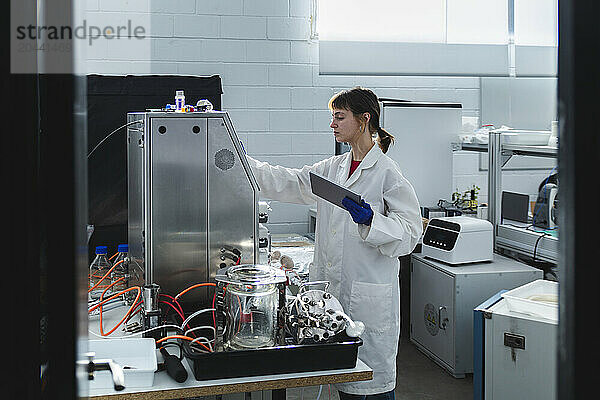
point(420, 378)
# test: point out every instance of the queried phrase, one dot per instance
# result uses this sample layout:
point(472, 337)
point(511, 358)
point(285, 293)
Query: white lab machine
point(442, 299)
point(458, 240)
point(515, 338)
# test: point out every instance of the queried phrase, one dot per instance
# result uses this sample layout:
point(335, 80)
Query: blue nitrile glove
point(361, 213)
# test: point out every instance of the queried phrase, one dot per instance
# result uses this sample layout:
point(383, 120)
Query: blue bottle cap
point(123, 248)
point(101, 249)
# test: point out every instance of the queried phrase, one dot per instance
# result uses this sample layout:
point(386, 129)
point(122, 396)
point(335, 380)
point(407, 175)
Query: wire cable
point(181, 337)
point(197, 340)
point(180, 313)
point(536, 244)
point(174, 301)
point(174, 308)
point(113, 132)
point(214, 332)
point(188, 319)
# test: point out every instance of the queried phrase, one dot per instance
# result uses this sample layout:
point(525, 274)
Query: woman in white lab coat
point(357, 249)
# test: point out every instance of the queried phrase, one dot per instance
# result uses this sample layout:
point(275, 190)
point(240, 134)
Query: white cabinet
point(442, 301)
point(515, 353)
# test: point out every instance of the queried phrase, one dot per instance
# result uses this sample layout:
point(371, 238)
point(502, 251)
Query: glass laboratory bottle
point(120, 272)
point(98, 268)
point(179, 100)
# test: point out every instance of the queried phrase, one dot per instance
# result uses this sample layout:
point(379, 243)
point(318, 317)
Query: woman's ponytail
point(384, 139)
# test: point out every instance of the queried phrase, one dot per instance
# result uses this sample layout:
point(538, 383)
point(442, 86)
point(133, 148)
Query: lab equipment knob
point(443, 317)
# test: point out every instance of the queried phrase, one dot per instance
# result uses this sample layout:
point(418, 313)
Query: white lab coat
point(360, 262)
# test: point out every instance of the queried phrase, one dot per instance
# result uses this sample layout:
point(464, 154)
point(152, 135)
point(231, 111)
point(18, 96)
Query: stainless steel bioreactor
point(192, 200)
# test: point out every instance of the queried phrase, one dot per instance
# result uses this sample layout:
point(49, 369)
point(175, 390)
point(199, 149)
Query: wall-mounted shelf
point(527, 242)
point(509, 150)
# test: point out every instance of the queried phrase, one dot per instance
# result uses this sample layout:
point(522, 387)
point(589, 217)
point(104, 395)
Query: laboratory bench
point(166, 388)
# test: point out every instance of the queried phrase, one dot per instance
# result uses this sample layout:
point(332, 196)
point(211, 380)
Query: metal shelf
point(535, 151)
point(515, 239)
point(509, 150)
point(515, 149)
point(529, 243)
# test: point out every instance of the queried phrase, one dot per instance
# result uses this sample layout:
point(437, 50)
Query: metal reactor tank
point(192, 200)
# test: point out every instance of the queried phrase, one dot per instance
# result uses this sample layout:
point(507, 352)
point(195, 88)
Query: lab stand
point(442, 299)
point(540, 244)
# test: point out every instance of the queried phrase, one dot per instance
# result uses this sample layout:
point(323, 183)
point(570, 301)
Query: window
point(438, 37)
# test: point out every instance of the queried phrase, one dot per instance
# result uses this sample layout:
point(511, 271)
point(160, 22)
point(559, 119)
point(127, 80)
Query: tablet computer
point(331, 191)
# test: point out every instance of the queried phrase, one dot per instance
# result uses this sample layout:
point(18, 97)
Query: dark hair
point(361, 100)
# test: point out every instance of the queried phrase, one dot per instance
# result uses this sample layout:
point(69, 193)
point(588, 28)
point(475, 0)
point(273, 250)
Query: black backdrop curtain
point(109, 99)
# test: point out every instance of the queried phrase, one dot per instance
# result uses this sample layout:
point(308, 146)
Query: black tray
point(274, 360)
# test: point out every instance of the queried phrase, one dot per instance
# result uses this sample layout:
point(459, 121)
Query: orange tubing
point(139, 290)
point(194, 287)
point(105, 276)
point(114, 296)
point(133, 305)
point(109, 286)
point(101, 297)
point(174, 337)
point(181, 337)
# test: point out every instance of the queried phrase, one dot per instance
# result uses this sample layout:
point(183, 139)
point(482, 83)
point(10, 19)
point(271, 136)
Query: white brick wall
point(174, 6)
point(268, 8)
point(271, 51)
point(197, 26)
point(242, 27)
point(271, 83)
point(219, 7)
